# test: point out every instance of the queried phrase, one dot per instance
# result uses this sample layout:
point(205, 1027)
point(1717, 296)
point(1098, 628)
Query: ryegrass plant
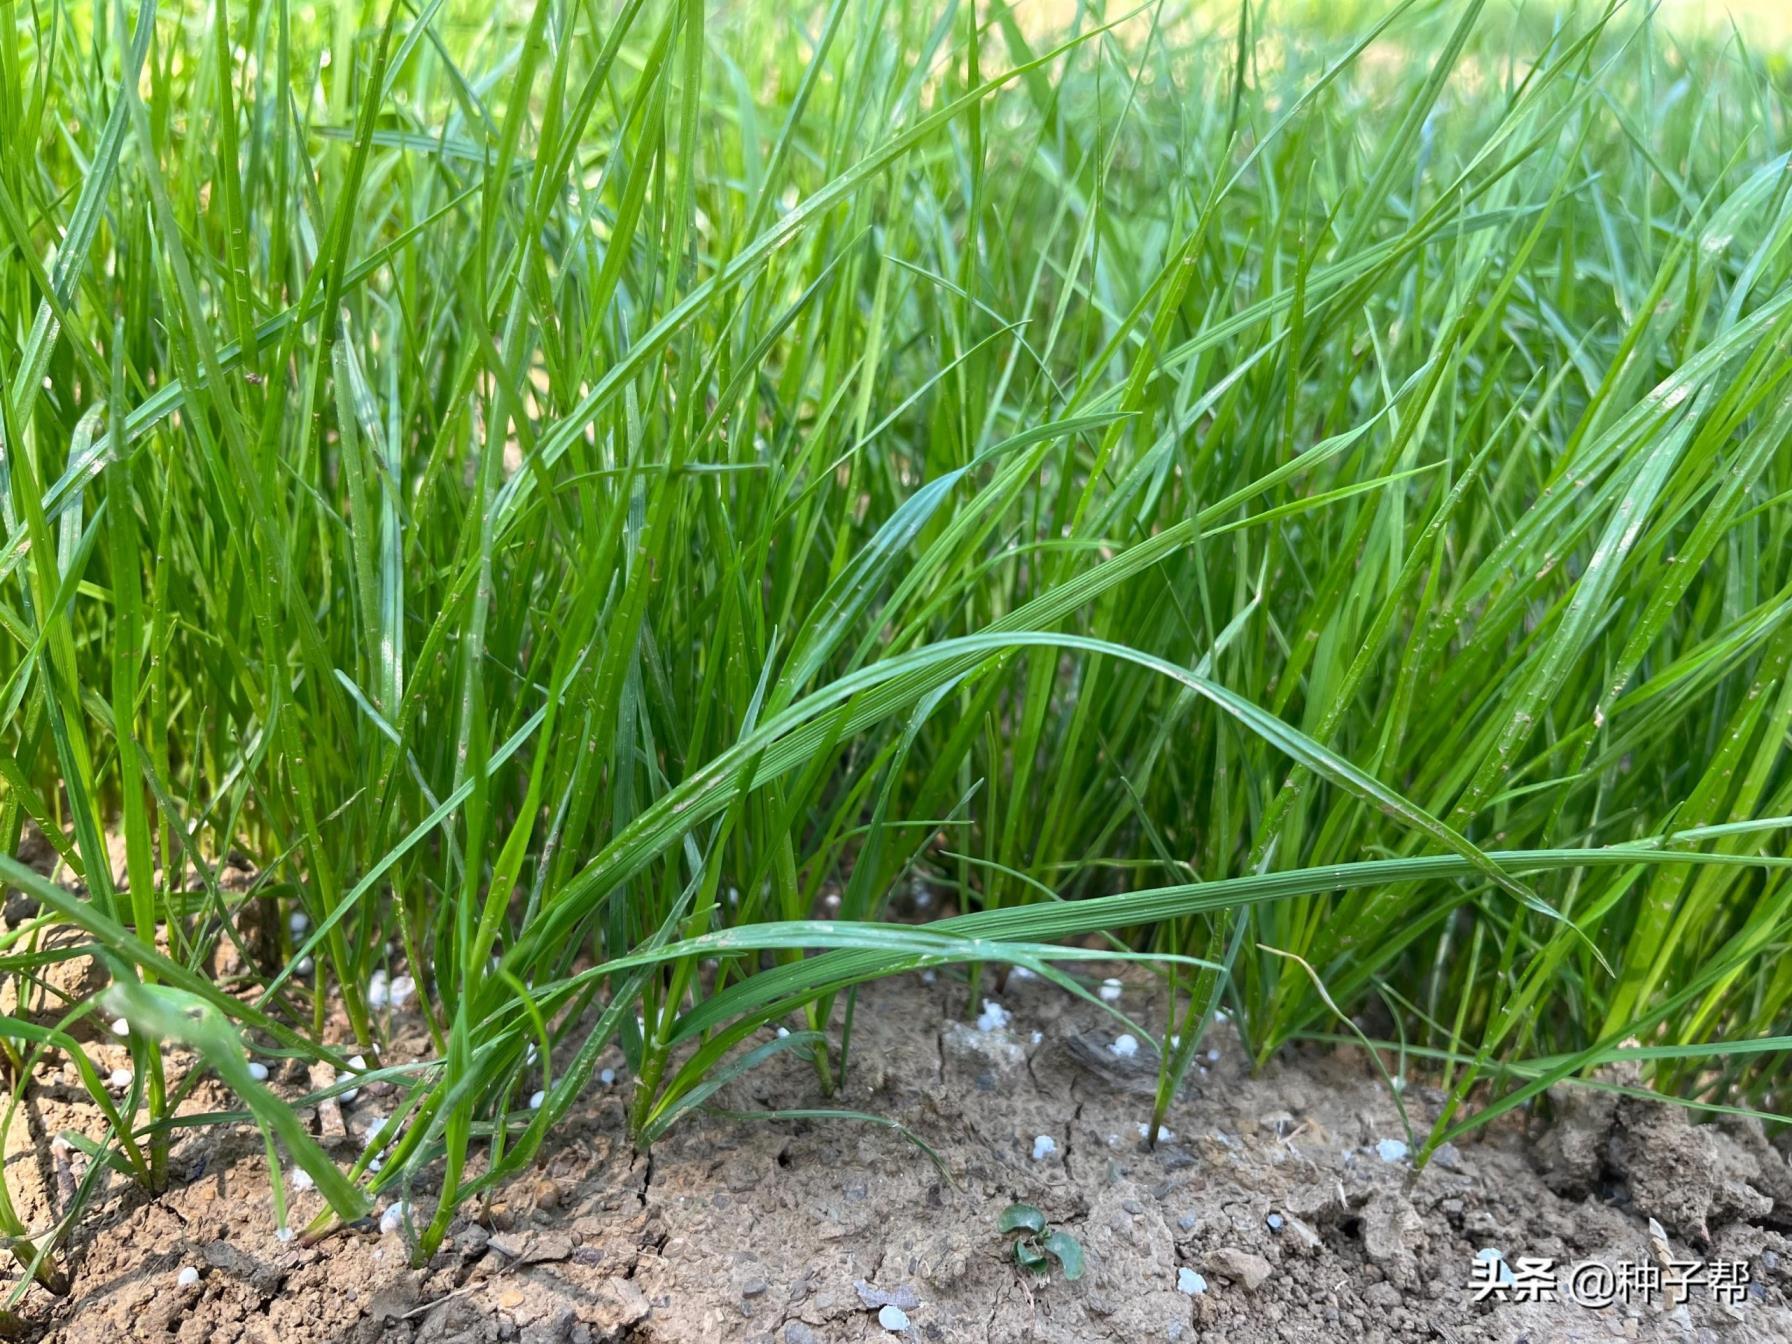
point(597, 501)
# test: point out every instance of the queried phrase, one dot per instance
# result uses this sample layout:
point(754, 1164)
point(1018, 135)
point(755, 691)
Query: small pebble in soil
point(258, 1071)
point(993, 1017)
point(1274, 1221)
point(1125, 1045)
point(187, 1277)
point(607, 1077)
point(1043, 1147)
point(298, 921)
point(1187, 1281)
point(119, 1078)
point(120, 1027)
point(403, 986)
point(536, 1100)
point(1110, 990)
point(1391, 1150)
point(893, 1318)
point(393, 1218)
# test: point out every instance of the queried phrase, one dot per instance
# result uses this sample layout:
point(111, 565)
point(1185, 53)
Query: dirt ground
point(1279, 1192)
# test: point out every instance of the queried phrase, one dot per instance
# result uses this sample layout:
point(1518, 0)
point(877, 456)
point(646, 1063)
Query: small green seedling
point(1039, 1244)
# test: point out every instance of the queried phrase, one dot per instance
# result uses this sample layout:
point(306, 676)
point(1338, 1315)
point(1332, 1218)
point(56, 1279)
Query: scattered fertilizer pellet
point(1391, 1150)
point(994, 1017)
point(120, 1027)
point(393, 1218)
point(928, 977)
point(536, 1100)
point(1125, 1046)
point(304, 967)
point(1213, 1056)
point(357, 1066)
point(1275, 1222)
point(403, 986)
point(119, 1078)
point(258, 1071)
point(1035, 1037)
point(783, 1032)
point(1187, 1281)
point(283, 1234)
point(1175, 1042)
point(893, 1318)
point(299, 922)
point(301, 1179)
point(1021, 973)
point(379, 993)
point(1492, 1255)
point(607, 1077)
point(1110, 990)
point(1043, 1147)
point(1164, 1135)
point(187, 1277)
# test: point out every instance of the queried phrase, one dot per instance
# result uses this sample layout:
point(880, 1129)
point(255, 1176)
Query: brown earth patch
point(1272, 1191)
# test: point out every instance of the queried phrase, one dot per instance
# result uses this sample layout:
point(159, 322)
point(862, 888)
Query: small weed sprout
point(1039, 1244)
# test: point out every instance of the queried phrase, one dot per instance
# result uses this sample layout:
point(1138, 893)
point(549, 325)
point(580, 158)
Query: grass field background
point(607, 507)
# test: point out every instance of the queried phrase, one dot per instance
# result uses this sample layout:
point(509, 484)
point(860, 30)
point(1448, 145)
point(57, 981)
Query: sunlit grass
point(592, 503)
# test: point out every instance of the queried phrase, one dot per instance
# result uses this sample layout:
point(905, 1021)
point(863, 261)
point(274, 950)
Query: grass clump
point(577, 496)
